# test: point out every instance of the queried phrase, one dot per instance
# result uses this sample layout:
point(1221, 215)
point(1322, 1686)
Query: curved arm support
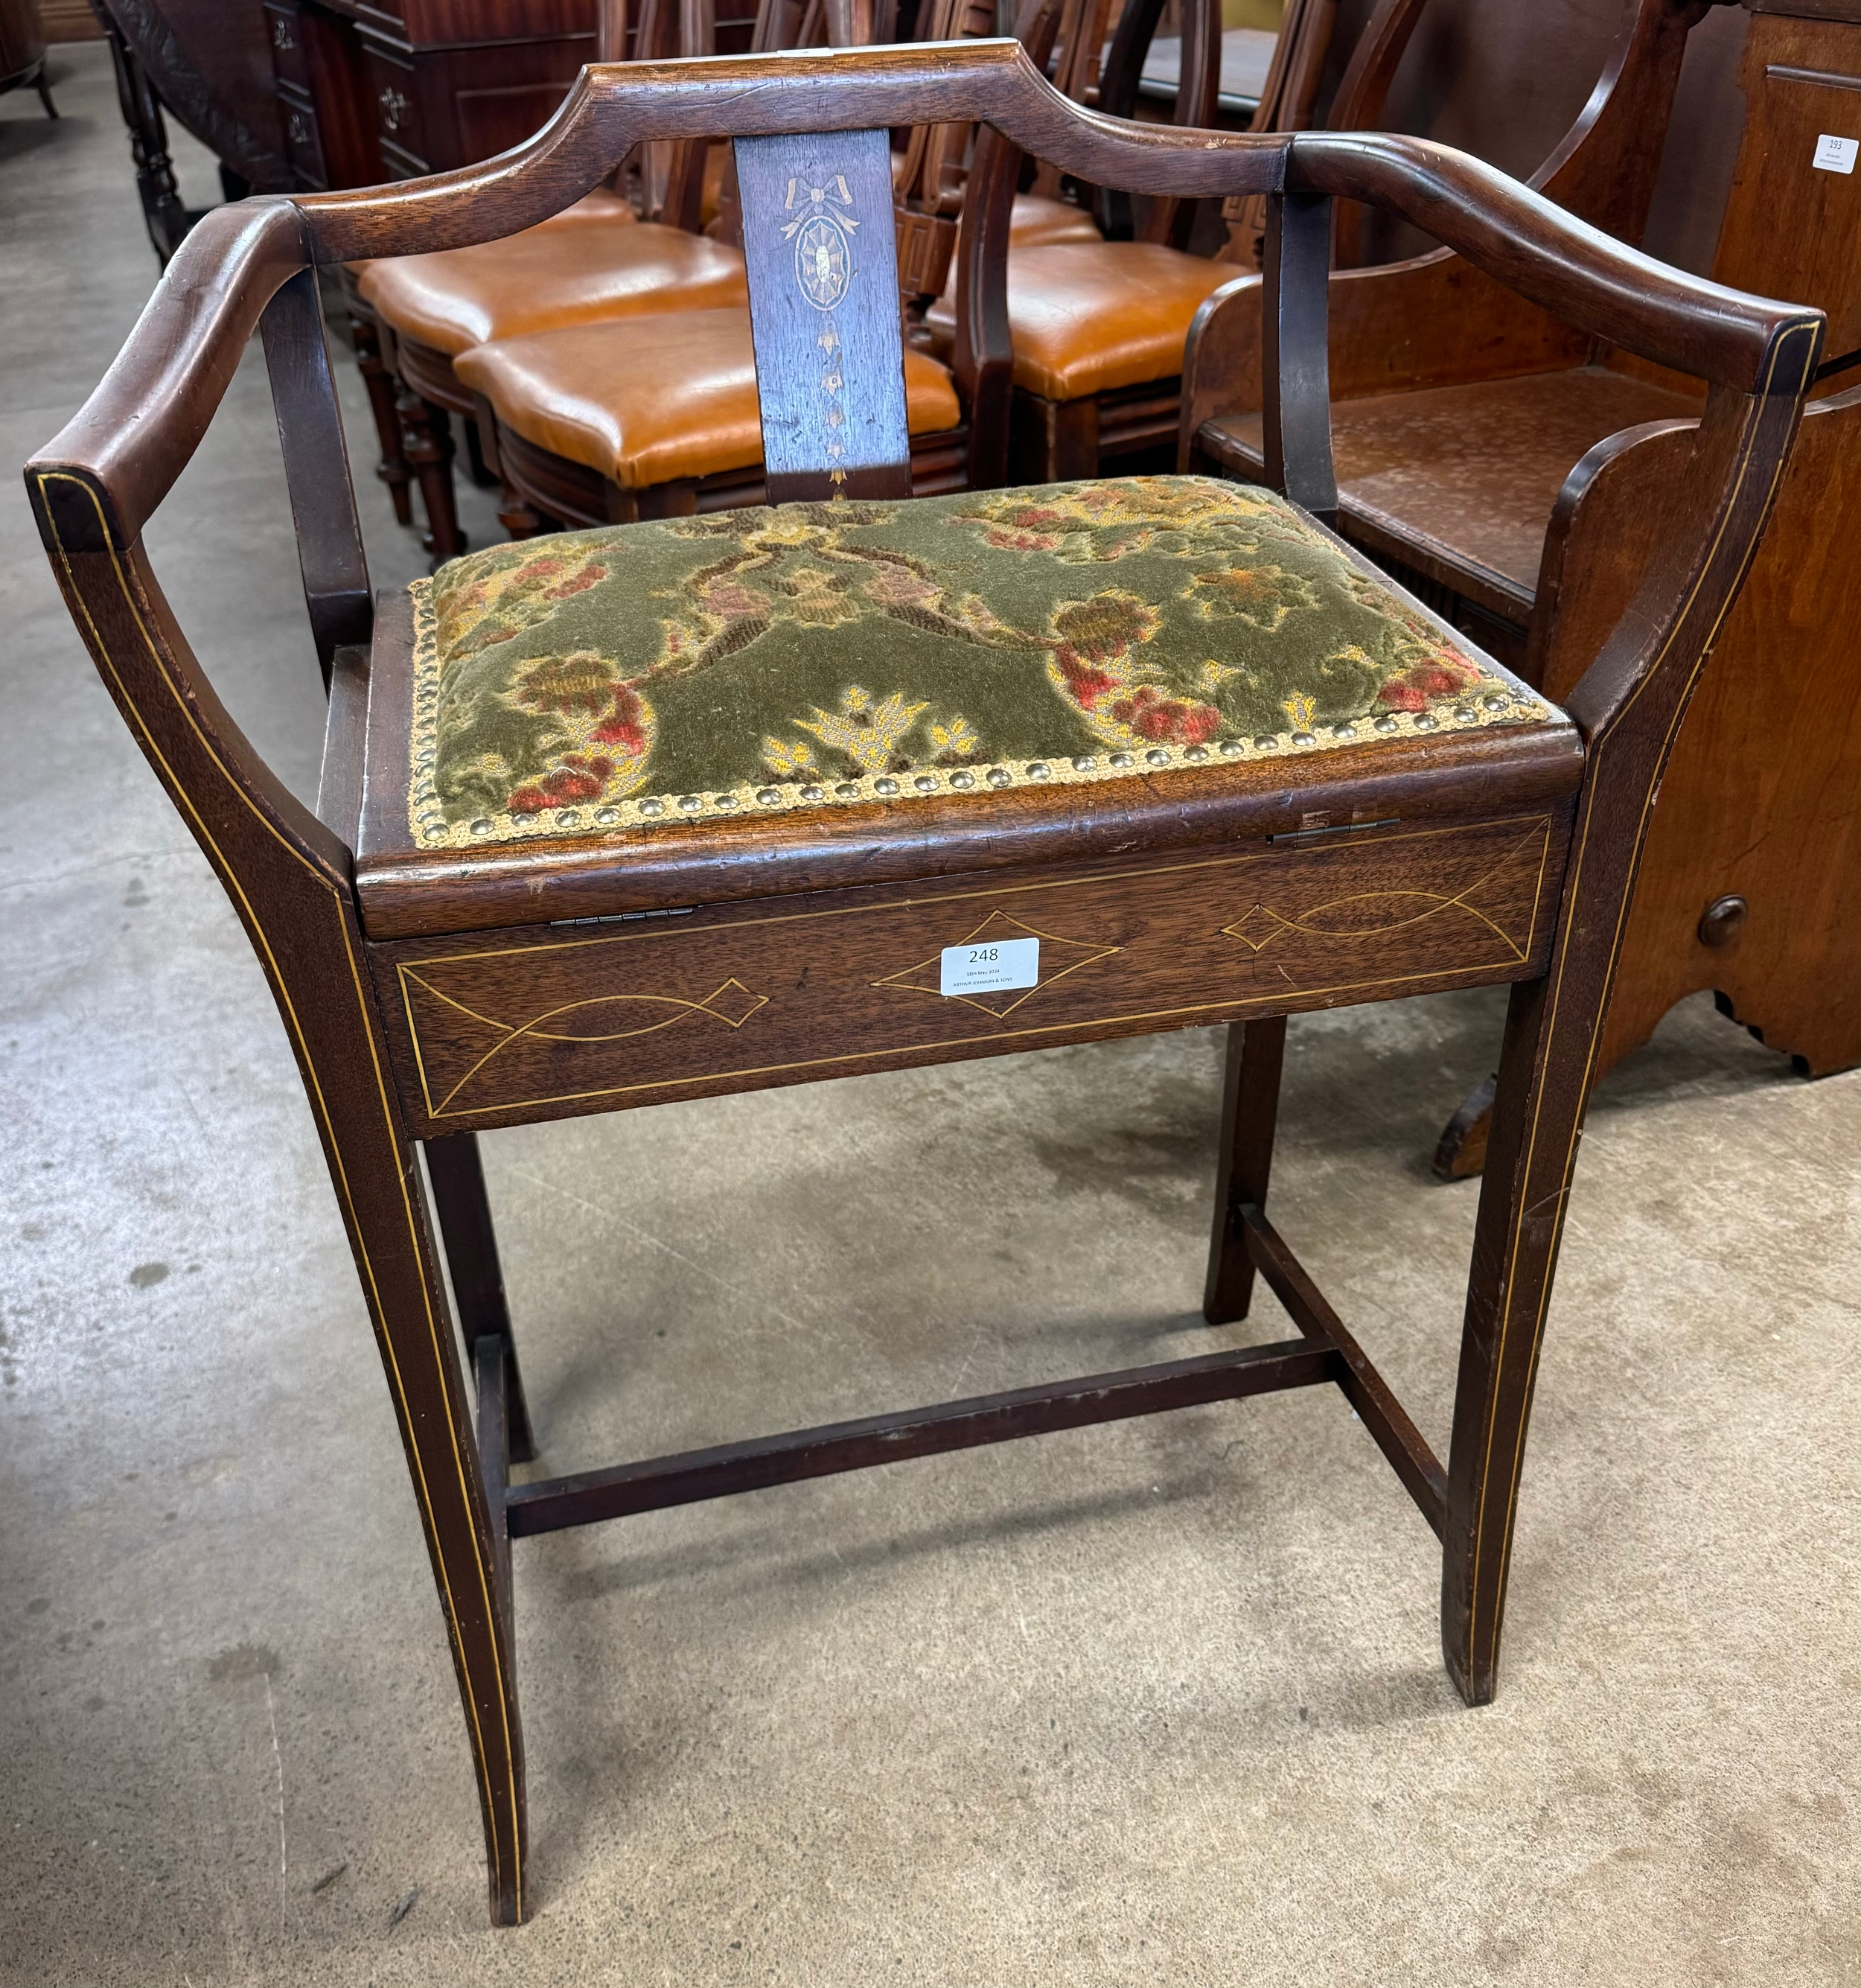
point(1740, 449)
point(145, 418)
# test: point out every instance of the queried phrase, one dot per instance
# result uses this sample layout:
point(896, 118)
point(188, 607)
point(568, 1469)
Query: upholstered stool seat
point(654, 399)
point(1088, 317)
point(550, 275)
point(815, 660)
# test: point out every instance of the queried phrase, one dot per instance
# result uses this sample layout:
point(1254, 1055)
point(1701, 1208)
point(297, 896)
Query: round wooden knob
point(1723, 920)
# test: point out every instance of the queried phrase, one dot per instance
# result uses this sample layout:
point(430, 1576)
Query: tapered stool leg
point(375, 1169)
point(1249, 1116)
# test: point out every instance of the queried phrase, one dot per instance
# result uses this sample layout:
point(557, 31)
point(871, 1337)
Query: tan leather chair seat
point(1037, 220)
point(603, 204)
point(550, 275)
point(1086, 316)
point(645, 401)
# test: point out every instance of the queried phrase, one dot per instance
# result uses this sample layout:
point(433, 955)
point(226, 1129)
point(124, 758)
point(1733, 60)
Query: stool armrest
point(144, 419)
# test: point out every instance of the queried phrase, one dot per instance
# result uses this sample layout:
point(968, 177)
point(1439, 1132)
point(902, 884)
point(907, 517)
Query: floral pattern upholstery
point(812, 654)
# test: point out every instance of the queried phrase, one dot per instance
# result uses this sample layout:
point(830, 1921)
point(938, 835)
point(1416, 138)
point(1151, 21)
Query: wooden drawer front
point(289, 61)
point(593, 1016)
point(394, 96)
point(303, 141)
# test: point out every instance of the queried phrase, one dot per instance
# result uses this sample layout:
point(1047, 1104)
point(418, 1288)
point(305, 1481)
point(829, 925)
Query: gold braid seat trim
point(765, 661)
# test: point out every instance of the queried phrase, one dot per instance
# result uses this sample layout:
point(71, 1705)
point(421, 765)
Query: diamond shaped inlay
point(1257, 928)
point(1058, 958)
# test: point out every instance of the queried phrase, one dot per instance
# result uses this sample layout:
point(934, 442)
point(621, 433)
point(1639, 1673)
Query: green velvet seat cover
point(814, 654)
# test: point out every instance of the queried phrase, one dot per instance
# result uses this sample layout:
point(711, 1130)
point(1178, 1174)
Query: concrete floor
point(1160, 1701)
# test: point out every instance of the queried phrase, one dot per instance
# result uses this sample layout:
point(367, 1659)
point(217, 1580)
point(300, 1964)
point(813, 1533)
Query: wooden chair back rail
point(142, 425)
point(780, 24)
point(1062, 37)
point(934, 153)
point(1604, 168)
point(1362, 90)
point(1364, 87)
point(1198, 91)
point(933, 184)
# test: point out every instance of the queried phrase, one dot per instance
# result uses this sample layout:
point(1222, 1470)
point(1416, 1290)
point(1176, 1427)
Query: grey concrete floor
point(1157, 1702)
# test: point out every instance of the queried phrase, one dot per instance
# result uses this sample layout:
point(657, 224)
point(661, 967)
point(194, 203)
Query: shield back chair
point(1096, 331)
point(1752, 882)
point(597, 262)
point(1095, 328)
point(931, 172)
point(927, 731)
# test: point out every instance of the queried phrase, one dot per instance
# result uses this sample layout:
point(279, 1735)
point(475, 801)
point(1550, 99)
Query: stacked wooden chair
point(1510, 473)
point(1168, 749)
point(596, 260)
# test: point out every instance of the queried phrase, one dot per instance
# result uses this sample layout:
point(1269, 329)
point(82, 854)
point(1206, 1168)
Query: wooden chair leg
point(1460, 1152)
point(517, 516)
point(478, 464)
point(464, 1211)
point(1053, 441)
point(426, 440)
point(1541, 1094)
point(392, 469)
point(1250, 1114)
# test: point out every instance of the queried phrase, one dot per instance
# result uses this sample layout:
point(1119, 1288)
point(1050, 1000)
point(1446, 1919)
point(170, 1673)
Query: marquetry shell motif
point(823, 260)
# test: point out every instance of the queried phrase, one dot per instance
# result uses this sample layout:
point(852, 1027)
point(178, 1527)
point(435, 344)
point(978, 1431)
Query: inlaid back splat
point(823, 283)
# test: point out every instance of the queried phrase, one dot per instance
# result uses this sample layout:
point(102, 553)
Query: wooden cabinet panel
point(404, 87)
point(395, 89)
point(438, 108)
point(743, 996)
point(316, 64)
point(1791, 225)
